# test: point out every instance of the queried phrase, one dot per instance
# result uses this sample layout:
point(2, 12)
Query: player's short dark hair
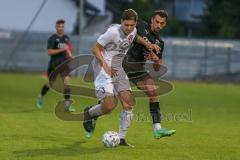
point(161, 13)
point(129, 14)
point(60, 21)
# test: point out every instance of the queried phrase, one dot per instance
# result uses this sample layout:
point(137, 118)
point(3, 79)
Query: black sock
point(155, 112)
point(67, 93)
point(44, 90)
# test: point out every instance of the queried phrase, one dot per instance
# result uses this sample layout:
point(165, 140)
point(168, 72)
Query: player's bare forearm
point(97, 51)
point(141, 41)
point(55, 51)
point(154, 58)
point(147, 44)
point(157, 64)
point(159, 61)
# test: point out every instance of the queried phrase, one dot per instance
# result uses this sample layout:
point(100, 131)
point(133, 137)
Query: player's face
point(60, 29)
point(128, 26)
point(158, 23)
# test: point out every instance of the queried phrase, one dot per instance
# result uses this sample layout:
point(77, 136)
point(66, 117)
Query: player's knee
point(129, 108)
point(66, 82)
point(132, 103)
point(129, 105)
point(109, 108)
point(153, 97)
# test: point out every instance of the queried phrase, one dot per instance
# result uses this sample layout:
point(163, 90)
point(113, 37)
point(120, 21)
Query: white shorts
point(105, 86)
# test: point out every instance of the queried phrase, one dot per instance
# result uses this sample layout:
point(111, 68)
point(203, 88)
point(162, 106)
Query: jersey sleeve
point(107, 37)
point(51, 43)
point(141, 27)
point(68, 41)
point(161, 45)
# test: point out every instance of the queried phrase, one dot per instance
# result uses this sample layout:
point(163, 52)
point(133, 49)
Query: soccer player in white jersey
point(110, 79)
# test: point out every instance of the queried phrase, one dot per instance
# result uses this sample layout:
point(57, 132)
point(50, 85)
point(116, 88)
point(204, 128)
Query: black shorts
point(135, 71)
point(53, 66)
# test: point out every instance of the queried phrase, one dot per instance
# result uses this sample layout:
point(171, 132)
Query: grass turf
point(206, 117)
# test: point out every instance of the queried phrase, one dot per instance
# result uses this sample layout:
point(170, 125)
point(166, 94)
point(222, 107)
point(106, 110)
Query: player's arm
point(157, 58)
point(56, 51)
point(51, 47)
point(69, 50)
point(145, 43)
point(97, 50)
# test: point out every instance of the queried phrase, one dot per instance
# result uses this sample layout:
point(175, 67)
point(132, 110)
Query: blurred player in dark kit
point(134, 63)
point(59, 49)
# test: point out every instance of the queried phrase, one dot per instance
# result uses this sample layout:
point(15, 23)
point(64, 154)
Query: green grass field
point(206, 117)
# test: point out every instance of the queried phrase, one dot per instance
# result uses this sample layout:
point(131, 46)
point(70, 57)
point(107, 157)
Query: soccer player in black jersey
point(59, 49)
point(134, 65)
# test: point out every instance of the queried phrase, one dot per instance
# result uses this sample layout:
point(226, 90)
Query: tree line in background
point(145, 9)
point(221, 18)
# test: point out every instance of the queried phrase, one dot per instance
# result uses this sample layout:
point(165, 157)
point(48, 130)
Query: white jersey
point(116, 45)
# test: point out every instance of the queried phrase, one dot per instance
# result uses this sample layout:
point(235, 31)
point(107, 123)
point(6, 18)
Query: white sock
point(157, 126)
point(40, 96)
point(96, 110)
point(125, 121)
point(67, 103)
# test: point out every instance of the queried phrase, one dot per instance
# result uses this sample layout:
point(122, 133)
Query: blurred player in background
point(59, 50)
point(110, 79)
point(135, 60)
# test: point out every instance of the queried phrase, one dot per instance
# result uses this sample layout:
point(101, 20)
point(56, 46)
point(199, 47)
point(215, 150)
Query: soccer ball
point(111, 139)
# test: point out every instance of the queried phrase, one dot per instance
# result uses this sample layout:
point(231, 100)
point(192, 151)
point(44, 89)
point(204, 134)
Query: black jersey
point(138, 52)
point(56, 42)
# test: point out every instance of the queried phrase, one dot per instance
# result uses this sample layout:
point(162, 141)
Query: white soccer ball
point(111, 139)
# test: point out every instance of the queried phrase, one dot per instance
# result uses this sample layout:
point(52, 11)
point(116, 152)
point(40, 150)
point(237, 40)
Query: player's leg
point(127, 99)
point(107, 104)
point(44, 90)
point(91, 113)
point(67, 94)
point(147, 85)
point(126, 115)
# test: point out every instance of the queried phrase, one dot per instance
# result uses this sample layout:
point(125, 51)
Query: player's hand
point(152, 57)
point(157, 62)
point(69, 54)
point(156, 66)
point(155, 47)
point(110, 71)
point(68, 48)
